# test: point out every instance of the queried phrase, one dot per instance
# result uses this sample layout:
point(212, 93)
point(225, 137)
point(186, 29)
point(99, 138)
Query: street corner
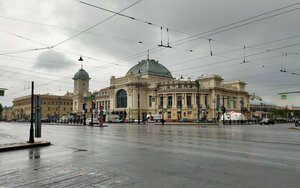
point(295, 128)
point(23, 145)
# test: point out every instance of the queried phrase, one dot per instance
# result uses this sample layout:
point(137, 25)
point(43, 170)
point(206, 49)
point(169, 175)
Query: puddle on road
point(77, 149)
point(34, 153)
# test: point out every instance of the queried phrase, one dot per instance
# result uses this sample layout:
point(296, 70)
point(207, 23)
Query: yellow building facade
point(149, 88)
point(53, 107)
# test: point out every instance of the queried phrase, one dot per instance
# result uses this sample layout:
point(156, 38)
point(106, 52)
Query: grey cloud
point(53, 61)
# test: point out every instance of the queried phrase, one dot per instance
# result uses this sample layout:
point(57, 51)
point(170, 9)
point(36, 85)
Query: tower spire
point(81, 60)
point(148, 54)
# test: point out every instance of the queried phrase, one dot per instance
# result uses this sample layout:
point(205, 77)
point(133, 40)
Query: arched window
point(121, 99)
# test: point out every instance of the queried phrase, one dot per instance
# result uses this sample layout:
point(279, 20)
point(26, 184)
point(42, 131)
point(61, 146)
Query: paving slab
point(22, 145)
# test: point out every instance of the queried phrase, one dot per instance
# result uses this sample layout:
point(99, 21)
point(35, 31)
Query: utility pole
point(58, 108)
point(138, 86)
point(31, 131)
point(223, 110)
point(198, 99)
point(162, 111)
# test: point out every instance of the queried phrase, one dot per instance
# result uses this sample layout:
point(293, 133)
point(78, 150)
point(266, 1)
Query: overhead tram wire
point(26, 50)
point(239, 58)
point(137, 55)
point(25, 38)
point(58, 49)
point(231, 28)
point(233, 50)
point(240, 21)
point(213, 29)
point(259, 65)
point(157, 49)
point(131, 17)
point(93, 26)
point(192, 35)
point(76, 30)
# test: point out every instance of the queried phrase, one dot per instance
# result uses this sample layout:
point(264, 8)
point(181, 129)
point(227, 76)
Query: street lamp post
point(261, 110)
point(198, 99)
point(223, 110)
point(84, 113)
point(162, 111)
point(31, 131)
point(139, 117)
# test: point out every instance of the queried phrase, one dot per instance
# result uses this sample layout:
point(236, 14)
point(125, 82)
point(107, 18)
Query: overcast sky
point(253, 50)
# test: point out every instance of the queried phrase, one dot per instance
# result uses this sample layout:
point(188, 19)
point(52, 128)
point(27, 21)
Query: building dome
point(81, 75)
point(150, 67)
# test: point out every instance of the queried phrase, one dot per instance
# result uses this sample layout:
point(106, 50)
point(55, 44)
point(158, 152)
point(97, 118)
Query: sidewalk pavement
point(184, 123)
point(22, 145)
point(296, 128)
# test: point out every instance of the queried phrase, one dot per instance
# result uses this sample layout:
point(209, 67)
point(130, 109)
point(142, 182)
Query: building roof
point(81, 75)
point(149, 67)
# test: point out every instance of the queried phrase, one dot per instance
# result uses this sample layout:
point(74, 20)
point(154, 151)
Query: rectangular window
point(242, 102)
point(179, 101)
point(170, 101)
point(161, 101)
point(169, 115)
point(234, 102)
point(150, 101)
point(189, 101)
point(205, 100)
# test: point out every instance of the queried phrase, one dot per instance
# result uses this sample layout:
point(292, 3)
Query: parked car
point(89, 121)
point(186, 120)
point(297, 122)
point(266, 121)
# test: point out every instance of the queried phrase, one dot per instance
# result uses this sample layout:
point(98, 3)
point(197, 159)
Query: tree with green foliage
point(284, 113)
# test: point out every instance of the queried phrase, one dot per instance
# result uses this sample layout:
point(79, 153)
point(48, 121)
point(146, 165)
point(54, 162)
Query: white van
point(113, 118)
point(153, 118)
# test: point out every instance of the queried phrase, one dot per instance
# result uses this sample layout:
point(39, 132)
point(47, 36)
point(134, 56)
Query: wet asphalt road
point(123, 155)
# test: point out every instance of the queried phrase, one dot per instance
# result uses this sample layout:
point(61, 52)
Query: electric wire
point(93, 26)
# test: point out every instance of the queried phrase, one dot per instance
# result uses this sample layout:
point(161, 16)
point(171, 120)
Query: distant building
point(260, 108)
point(6, 114)
point(53, 106)
point(149, 88)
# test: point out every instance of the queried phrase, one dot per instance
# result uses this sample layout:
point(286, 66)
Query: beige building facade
point(149, 88)
point(53, 106)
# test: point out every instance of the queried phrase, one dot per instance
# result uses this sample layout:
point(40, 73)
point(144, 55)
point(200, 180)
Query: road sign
point(283, 96)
